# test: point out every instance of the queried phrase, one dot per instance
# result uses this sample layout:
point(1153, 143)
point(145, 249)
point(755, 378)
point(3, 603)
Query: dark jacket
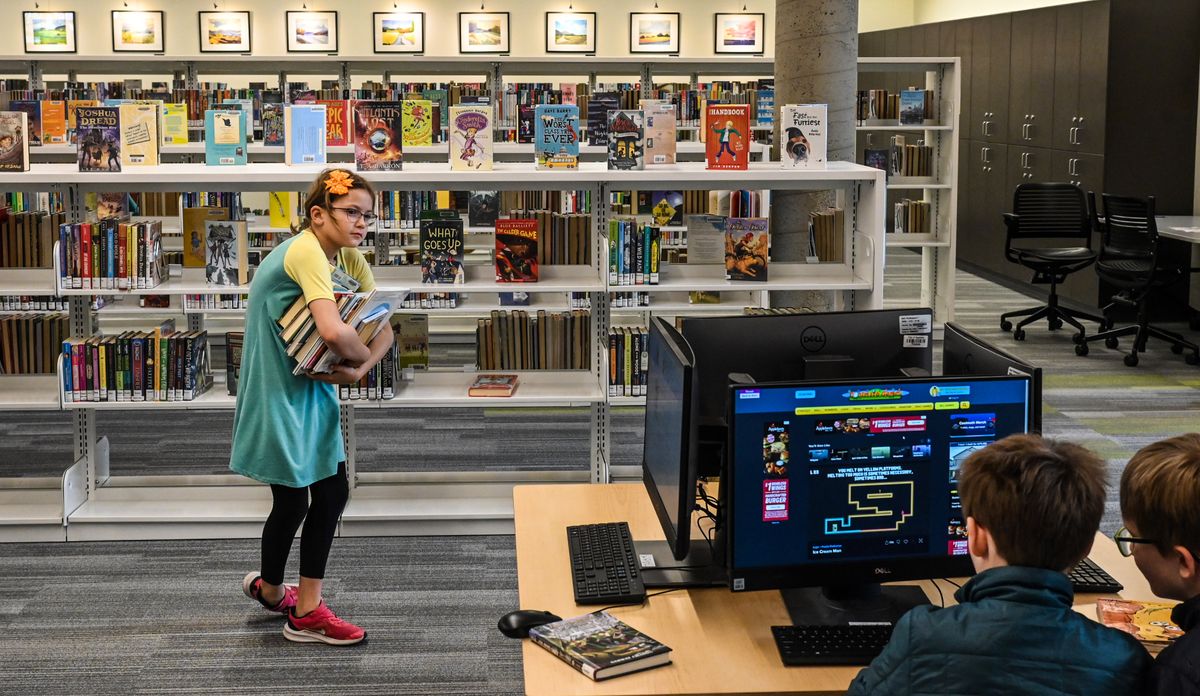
point(1013, 632)
point(1176, 672)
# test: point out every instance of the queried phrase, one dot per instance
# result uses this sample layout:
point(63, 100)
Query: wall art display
point(740, 32)
point(312, 32)
point(49, 32)
point(138, 31)
point(224, 32)
point(654, 32)
point(483, 32)
point(399, 32)
point(570, 32)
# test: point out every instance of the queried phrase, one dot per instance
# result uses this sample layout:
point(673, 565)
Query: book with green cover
point(600, 645)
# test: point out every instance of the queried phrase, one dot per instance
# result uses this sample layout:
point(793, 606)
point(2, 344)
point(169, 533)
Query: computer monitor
point(838, 486)
point(810, 346)
point(965, 354)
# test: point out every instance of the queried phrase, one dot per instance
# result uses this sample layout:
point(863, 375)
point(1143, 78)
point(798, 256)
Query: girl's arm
point(338, 335)
point(350, 373)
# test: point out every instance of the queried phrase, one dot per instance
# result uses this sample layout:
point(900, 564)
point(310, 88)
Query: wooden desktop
point(721, 640)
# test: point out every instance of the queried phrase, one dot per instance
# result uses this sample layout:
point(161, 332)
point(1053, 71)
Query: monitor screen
point(856, 481)
point(965, 354)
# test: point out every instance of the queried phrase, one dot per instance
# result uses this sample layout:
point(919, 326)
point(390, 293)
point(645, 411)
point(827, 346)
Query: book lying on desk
point(493, 385)
point(1149, 622)
point(600, 645)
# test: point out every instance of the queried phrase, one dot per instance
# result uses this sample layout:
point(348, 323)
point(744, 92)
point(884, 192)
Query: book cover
point(225, 261)
point(600, 645)
point(337, 122)
point(660, 131)
point(98, 138)
point(233, 360)
point(569, 91)
point(516, 251)
point(877, 158)
point(727, 127)
point(483, 208)
point(139, 135)
point(912, 107)
point(246, 105)
point(747, 241)
point(14, 146)
point(493, 385)
point(281, 208)
point(471, 138)
point(72, 107)
point(377, 136)
point(174, 124)
point(54, 122)
point(412, 340)
point(626, 140)
point(526, 130)
point(273, 132)
point(666, 207)
point(803, 129)
point(599, 104)
point(224, 138)
point(33, 108)
point(418, 122)
point(1149, 622)
point(304, 134)
point(441, 245)
point(556, 136)
point(195, 235)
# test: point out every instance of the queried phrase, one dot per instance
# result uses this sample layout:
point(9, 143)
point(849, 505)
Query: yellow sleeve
point(306, 264)
point(356, 265)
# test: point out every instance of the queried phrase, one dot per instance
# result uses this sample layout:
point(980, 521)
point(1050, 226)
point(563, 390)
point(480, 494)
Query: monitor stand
point(840, 605)
point(697, 569)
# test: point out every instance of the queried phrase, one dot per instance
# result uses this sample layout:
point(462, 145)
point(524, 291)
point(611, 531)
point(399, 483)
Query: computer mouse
point(517, 624)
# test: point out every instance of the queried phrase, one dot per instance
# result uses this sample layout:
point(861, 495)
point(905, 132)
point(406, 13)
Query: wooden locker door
point(1020, 62)
point(989, 198)
point(981, 59)
point(963, 49)
point(1029, 165)
point(1067, 41)
point(1000, 37)
point(1041, 86)
point(1093, 77)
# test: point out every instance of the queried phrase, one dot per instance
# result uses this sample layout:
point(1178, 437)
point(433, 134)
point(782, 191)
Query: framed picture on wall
point(483, 32)
point(49, 32)
point(312, 32)
point(654, 32)
point(740, 32)
point(399, 32)
point(570, 32)
point(138, 31)
point(224, 32)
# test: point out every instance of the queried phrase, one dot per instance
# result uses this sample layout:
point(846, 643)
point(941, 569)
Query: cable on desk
point(641, 603)
point(953, 583)
point(941, 597)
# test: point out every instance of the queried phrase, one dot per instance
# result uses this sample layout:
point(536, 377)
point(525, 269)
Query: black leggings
point(291, 507)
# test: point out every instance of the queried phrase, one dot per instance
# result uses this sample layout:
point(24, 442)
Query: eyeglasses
point(1125, 542)
point(353, 215)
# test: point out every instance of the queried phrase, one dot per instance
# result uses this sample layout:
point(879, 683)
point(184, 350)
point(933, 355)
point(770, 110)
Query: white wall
point(926, 11)
point(876, 15)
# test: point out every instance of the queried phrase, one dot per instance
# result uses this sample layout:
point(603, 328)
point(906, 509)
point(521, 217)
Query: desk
point(1185, 228)
point(721, 640)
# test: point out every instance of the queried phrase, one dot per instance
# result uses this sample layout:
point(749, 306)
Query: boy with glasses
point(1160, 503)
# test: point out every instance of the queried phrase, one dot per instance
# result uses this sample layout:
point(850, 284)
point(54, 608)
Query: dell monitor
point(965, 354)
point(810, 346)
point(835, 487)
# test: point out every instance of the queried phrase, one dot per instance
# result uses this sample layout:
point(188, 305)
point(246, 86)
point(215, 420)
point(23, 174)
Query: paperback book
point(98, 138)
point(304, 134)
point(139, 135)
point(666, 207)
point(598, 107)
point(516, 250)
point(660, 131)
point(54, 122)
point(803, 127)
point(195, 233)
point(418, 122)
point(272, 123)
point(877, 158)
point(912, 107)
point(337, 122)
point(441, 244)
point(174, 124)
point(1149, 622)
point(626, 140)
point(601, 646)
point(233, 360)
point(493, 385)
point(525, 126)
point(727, 145)
point(33, 108)
point(412, 340)
point(377, 136)
point(225, 253)
point(747, 242)
point(471, 138)
point(556, 136)
point(14, 145)
point(224, 138)
point(483, 208)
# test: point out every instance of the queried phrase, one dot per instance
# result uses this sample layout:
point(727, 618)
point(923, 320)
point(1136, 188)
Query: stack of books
point(367, 312)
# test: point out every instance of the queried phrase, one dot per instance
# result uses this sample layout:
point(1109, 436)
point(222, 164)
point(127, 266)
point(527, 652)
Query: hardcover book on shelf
point(377, 136)
point(33, 108)
point(73, 106)
point(601, 646)
point(471, 138)
point(556, 136)
point(246, 105)
point(225, 253)
point(747, 241)
point(660, 131)
point(54, 122)
point(337, 122)
point(803, 129)
point(666, 207)
point(233, 360)
point(441, 244)
point(273, 132)
point(174, 124)
point(412, 340)
point(98, 138)
point(912, 107)
point(418, 122)
point(626, 140)
point(304, 134)
point(599, 104)
point(516, 250)
point(877, 158)
point(224, 138)
point(727, 145)
point(195, 233)
point(483, 208)
point(14, 145)
point(493, 385)
point(139, 135)
point(525, 125)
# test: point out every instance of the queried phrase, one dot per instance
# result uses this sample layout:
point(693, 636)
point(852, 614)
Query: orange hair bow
point(338, 182)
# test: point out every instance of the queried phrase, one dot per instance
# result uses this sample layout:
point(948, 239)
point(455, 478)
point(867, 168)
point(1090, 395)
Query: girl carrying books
point(286, 429)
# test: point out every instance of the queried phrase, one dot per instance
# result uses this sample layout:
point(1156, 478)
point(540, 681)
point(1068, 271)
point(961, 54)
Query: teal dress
point(286, 428)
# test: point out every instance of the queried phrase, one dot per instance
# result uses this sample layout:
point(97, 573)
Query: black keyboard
point(830, 645)
point(1089, 577)
point(604, 567)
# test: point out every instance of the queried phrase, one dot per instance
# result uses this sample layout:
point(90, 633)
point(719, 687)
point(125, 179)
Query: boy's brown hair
point(320, 195)
point(1041, 499)
point(1160, 488)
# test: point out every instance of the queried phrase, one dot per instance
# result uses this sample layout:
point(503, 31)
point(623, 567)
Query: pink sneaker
point(252, 586)
point(321, 625)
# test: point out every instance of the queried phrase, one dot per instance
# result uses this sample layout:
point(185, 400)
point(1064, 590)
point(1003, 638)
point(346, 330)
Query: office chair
point(1049, 211)
point(1130, 261)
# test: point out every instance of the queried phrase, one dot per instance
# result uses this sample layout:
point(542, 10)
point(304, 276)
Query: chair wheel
point(1005, 325)
point(1131, 360)
point(1192, 359)
point(1055, 324)
point(1081, 349)
point(1112, 343)
point(1176, 349)
point(1077, 337)
point(1019, 335)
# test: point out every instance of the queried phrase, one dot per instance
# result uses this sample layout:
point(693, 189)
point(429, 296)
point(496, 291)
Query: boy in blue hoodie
point(1032, 508)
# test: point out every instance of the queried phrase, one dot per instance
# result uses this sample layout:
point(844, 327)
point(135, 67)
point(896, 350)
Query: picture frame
point(483, 32)
point(138, 31)
point(654, 32)
point(398, 32)
point(225, 31)
point(739, 32)
point(49, 32)
point(571, 32)
point(310, 31)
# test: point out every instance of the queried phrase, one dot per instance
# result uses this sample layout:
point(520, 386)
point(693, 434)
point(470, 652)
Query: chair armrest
point(1011, 220)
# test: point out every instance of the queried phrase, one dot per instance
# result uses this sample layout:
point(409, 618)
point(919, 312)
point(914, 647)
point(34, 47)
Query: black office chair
point(1131, 262)
point(1049, 211)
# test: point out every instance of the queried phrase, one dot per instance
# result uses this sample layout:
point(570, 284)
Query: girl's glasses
point(353, 215)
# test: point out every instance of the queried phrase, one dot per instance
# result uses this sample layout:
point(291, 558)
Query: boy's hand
point(341, 374)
